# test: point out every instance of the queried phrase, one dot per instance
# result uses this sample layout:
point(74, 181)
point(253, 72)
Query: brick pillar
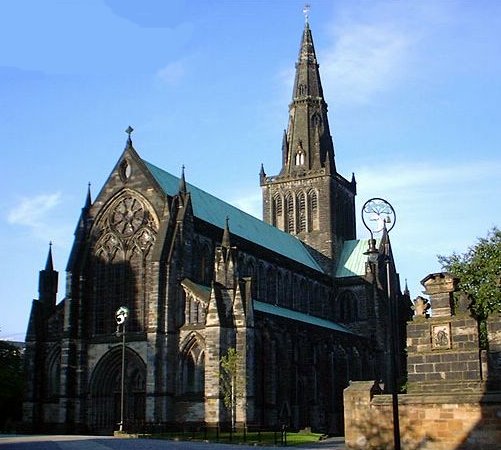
point(357, 403)
point(443, 350)
point(494, 352)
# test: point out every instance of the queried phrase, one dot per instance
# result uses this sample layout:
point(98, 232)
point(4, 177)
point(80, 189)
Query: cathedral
point(293, 296)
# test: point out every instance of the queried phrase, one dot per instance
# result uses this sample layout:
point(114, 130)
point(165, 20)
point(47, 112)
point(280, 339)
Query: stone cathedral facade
point(293, 294)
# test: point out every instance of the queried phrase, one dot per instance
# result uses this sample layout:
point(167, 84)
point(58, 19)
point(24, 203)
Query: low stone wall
point(432, 422)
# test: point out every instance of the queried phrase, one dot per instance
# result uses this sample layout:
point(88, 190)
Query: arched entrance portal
point(105, 389)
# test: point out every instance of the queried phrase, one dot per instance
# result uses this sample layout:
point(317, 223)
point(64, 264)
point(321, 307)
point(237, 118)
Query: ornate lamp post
point(121, 317)
point(379, 215)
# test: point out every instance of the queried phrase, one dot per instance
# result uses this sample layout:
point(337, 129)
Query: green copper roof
point(352, 259)
point(214, 211)
point(298, 316)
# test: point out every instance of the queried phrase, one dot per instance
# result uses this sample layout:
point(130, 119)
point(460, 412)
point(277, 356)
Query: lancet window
point(192, 368)
point(313, 221)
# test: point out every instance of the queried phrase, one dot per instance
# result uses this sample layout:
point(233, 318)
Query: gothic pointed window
point(278, 211)
point(301, 212)
point(126, 233)
point(192, 368)
point(299, 158)
point(316, 120)
point(289, 201)
point(313, 221)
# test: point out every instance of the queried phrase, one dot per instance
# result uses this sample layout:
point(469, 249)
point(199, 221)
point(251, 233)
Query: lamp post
point(121, 317)
point(379, 215)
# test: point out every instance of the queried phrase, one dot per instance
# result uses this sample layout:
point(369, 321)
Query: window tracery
point(126, 233)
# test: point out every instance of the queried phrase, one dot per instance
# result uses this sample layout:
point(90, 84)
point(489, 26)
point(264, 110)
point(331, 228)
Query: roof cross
point(306, 12)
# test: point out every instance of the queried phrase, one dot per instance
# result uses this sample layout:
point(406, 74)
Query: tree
point(479, 273)
point(229, 382)
point(11, 383)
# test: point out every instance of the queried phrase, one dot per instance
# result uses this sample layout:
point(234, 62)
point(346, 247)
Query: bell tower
point(308, 198)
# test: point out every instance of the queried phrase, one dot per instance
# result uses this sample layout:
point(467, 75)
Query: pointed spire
point(262, 175)
point(49, 266)
point(225, 243)
point(88, 200)
point(307, 144)
point(406, 290)
point(182, 182)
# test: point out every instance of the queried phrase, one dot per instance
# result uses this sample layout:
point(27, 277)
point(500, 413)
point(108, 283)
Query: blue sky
point(413, 88)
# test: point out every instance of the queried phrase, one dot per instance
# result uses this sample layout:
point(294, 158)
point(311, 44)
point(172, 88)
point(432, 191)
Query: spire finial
point(182, 182)
point(129, 131)
point(88, 200)
point(226, 234)
point(306, 12)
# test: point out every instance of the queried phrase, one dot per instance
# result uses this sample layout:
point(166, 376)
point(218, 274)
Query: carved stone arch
point(205, 262)
point(316, 119)
point(109, 247)
point(290, 212)
point(304, 301)
point(53, 371)
point(301, 212)
point(280, 299)
point(355, 367)
point(192, 365)
point(347, 303)
point(313, 210)
point(278, 212)
point(261, 281)
point(124, 231)
point(105, 391)
point(126, 212)
point(271, 285)
point(296, 292)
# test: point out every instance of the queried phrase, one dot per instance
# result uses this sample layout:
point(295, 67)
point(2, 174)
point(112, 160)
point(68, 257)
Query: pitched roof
point(299, 316)
point(215, 211)
point(353, 258)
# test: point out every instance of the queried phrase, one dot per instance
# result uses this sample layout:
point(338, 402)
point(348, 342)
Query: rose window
point(128, 216)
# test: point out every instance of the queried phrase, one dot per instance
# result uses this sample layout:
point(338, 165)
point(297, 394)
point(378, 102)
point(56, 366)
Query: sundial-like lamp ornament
point(121, 316)
point(377, 215)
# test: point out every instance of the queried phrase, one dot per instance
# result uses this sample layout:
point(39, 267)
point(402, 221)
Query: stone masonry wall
point(432, 422)
point(454, 399)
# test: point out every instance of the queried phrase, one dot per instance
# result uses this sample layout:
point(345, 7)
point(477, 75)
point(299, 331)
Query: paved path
point(112, 443)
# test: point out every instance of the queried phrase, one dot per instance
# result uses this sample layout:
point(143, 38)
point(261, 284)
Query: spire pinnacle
point(226, 234)
point(182, 182)
point(49, 266)
point(88, 200)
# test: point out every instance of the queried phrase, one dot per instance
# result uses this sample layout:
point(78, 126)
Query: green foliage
point(229, 367)
point(479, 273)
point(11, 383)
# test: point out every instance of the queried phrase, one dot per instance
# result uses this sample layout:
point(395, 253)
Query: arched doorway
point(105, 390)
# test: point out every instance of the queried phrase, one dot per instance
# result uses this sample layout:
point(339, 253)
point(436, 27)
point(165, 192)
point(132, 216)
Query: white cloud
point(251, 203)
point(32, 211)
point(172, 73)
point(364, 60)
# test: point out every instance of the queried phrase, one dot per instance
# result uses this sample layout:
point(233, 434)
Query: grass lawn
point(250, 438)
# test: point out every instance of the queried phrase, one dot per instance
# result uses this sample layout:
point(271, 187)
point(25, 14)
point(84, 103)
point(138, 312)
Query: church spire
point(49, 265)
point(307, 144)
point(47, 282)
